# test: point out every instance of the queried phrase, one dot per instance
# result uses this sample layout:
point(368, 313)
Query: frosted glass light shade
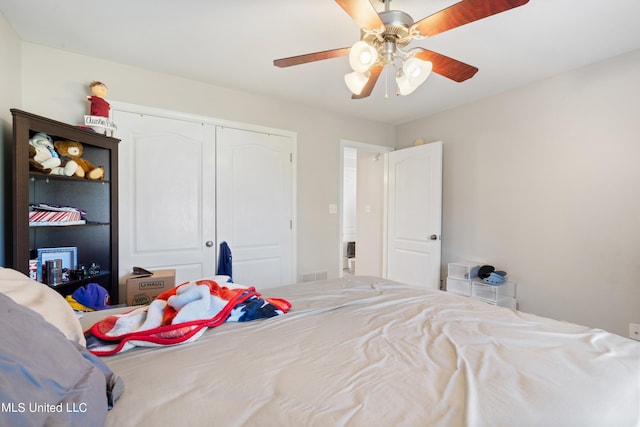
point(417, 70)
point(362, 56)
point(404, 86)
point(414, 73)
point(355, 82)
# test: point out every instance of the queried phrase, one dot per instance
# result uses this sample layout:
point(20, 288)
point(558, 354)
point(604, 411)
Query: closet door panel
point(254, 199)
point(166, 205)
point(167, 201)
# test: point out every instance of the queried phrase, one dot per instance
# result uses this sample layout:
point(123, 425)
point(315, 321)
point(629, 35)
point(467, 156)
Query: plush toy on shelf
point(99, 106)
point(44, 158)
point(34, 165)
point(73, 151)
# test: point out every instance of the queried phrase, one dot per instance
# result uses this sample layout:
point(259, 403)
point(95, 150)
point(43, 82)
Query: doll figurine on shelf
point(99, 107)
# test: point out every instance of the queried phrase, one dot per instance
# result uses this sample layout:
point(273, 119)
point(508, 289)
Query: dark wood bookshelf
point(97, 240)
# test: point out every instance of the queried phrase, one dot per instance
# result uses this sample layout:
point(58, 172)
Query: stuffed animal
point(34, 165)
point(73, 150)
point(99, 106)
point(44, 158)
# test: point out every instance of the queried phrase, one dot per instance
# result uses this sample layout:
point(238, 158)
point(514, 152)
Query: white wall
point(349, 192)
point(370, 213)
point(10, 71)
point(543, 182)
point(54, 84)
point(10, 78)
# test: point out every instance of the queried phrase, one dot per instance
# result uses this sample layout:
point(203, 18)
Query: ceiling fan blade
point(463, 13)
point(447, 67)
point(362, 12)
point(373, 78)
point(311, 57)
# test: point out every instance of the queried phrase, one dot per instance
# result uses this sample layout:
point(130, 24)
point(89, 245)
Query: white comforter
point(368, 352)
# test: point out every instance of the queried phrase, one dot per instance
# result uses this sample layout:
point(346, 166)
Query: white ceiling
point(234, 43)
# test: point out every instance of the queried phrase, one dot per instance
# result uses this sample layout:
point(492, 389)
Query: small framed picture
point(68, 255)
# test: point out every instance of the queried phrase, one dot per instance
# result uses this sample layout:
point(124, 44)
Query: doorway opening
point(363, 211)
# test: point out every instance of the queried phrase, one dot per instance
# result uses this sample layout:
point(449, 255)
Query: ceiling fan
point(385, 35)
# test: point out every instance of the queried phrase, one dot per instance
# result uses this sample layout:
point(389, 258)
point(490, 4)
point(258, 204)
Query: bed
point(365, 351)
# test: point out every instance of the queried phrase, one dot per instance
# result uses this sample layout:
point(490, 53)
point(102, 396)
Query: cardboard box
point(141, 289)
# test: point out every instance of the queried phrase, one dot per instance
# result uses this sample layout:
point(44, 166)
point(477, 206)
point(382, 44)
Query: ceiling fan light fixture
point(416, 70)
point(362, 56)
point(404, 85)
point(383, 35)
point(414, 73)
point(355, 81)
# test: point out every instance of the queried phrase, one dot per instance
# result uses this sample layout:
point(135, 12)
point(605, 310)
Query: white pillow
point(43, 300)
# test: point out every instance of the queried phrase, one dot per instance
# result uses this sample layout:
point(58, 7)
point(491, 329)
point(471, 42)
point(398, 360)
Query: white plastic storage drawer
point(459, 286)
point(463, 270)
point(507, 302)
point(493, 293)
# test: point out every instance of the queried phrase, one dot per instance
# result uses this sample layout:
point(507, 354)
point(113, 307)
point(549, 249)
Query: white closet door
point(414, 209)
point(255, 210)
point(167, 195)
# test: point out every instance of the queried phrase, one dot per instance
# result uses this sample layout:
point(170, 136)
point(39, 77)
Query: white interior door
point(414, 215)
point(167, 195)
point(255, 208)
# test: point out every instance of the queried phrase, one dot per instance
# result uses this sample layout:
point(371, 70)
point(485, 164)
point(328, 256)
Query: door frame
point(205, 120)
point(381, 149)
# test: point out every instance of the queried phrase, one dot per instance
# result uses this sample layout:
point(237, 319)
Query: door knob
point(433, 237)
point(209, 243)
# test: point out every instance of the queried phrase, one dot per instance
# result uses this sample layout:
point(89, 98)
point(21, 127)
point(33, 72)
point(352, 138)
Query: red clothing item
point(99, 107)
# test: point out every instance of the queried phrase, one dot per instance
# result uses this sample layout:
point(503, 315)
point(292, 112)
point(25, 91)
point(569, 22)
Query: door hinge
point(290, 224)
point(290, 157)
